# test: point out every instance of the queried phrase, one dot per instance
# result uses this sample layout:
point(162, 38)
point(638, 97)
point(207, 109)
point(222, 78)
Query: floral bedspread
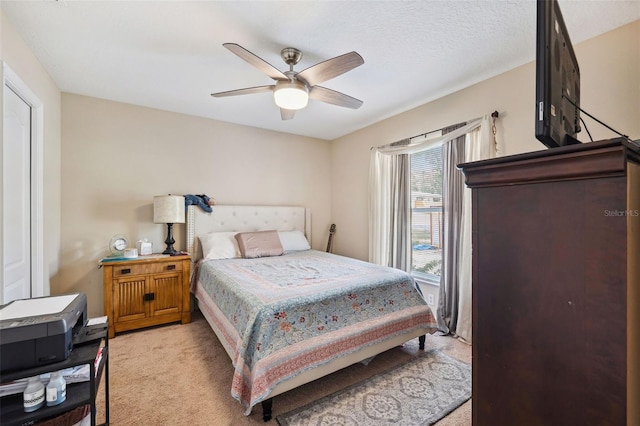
point(280, 316)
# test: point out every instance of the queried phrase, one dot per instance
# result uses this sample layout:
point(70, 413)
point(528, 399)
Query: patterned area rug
point(419, 392)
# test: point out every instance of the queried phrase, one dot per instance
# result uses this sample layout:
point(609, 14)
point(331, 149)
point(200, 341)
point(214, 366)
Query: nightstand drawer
point(151, 268)
point(127, 270)
point(165, 267)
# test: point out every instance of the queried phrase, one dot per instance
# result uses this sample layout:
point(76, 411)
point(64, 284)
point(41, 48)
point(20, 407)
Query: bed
point(292, 316)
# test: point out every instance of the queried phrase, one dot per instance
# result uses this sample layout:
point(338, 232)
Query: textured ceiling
point(169, 54)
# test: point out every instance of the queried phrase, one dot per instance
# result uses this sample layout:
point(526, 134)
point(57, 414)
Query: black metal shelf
point(78, 394)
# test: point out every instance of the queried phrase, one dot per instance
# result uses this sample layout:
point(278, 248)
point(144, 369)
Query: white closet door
point(16, 195)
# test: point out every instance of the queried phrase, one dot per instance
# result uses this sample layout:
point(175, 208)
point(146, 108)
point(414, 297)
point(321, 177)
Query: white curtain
point(480, 145)
point(393, 215)
point(382, 205)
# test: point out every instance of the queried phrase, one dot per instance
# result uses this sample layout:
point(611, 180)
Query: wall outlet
point(430, 300)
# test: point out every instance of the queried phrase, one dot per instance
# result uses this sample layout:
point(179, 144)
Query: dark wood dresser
point(556, 286)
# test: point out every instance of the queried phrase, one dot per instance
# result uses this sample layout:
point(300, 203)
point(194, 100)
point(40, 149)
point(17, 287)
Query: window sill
point(425, 280)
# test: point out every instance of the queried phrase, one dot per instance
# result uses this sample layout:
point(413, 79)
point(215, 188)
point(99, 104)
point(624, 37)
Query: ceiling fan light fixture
point(291, 95)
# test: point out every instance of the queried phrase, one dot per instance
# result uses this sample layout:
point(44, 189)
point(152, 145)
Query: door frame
point(11, 80)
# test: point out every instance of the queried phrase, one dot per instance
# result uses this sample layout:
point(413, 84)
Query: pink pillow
point(259, 244)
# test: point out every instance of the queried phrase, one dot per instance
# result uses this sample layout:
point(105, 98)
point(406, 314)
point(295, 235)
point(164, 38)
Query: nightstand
point(146, 291)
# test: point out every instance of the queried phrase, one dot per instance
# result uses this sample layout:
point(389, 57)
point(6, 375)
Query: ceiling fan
point(292, 89)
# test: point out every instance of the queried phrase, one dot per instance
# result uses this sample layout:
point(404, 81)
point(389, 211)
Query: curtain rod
point(494, 114)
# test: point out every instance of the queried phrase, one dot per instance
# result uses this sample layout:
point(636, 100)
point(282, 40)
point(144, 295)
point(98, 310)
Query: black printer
point(40, 330)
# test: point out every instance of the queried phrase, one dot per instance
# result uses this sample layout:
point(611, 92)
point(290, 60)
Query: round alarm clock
point(117, 244)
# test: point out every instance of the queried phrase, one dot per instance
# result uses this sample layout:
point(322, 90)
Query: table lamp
point(168, 209)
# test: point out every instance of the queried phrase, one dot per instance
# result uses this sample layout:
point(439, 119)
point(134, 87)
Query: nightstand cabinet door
point(128, 299)
point(146, 291)
point(167, 294)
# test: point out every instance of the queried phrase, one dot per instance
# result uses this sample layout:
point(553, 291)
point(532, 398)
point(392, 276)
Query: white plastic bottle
point(33, 395)
point(56, 389)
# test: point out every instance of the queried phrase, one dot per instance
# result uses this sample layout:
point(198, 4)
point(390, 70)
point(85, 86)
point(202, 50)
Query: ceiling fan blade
point(247, 91)
point(330, 68)
point(256, 61)
point(287, 114)
point(329, 96)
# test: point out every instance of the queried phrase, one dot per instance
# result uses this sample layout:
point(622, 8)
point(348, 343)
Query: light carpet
point(418, 392)
point(180, 375)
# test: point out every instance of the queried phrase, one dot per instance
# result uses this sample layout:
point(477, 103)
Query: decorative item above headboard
point(244, 219)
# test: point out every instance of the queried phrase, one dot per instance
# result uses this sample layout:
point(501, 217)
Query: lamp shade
point(168, 209)
point(291, 95)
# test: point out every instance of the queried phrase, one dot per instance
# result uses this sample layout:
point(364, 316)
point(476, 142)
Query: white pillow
point(219, 245)
point(293, 241)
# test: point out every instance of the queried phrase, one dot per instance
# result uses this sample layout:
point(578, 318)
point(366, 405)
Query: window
point(427, 220)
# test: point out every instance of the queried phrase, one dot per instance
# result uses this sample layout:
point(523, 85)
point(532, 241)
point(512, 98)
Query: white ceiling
point(169, 54)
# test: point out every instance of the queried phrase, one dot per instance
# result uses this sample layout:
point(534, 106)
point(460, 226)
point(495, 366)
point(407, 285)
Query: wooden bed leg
point(266, 409)
point(422, 339)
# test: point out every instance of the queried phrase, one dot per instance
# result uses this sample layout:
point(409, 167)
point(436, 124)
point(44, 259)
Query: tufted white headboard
point(244, 219)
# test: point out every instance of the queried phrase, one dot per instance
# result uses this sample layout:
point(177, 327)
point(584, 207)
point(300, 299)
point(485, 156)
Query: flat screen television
point(557, 79)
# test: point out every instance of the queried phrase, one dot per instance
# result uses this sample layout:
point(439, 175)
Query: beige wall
point(610, 81)
point(15, 53)
point(116, 157)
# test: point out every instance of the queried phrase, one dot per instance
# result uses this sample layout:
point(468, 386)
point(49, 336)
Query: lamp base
point(169, 241)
